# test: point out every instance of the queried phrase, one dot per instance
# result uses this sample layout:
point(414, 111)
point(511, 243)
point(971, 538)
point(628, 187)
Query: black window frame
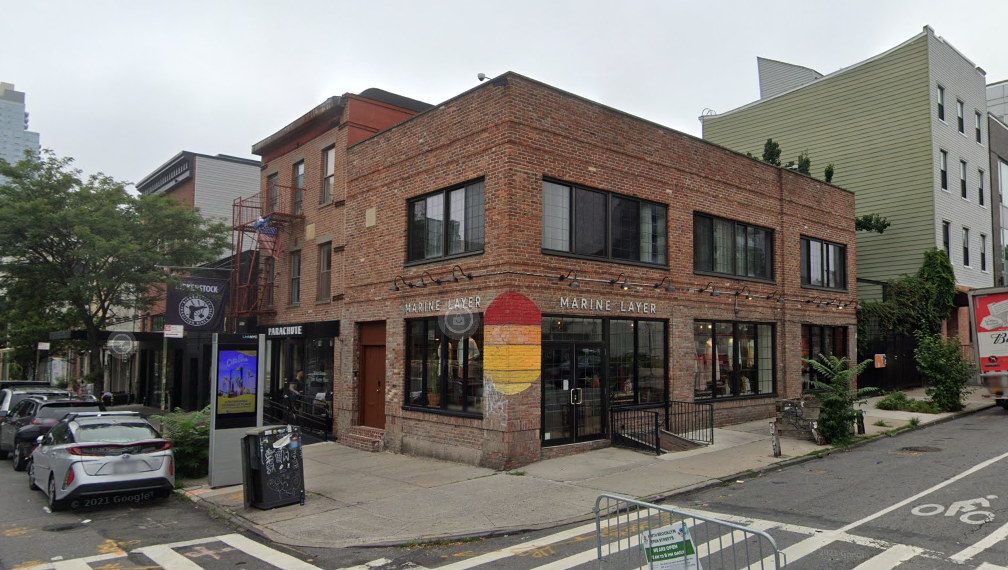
point(736, 367)
point(770, 236)
point(269, 269)
point(947, 238)
point(961, 116)
point(472, 244)
point(983, 252)
point(328, 175)
point(943, 168)
point(980, 187)
point(610, 360)
point(962, 179)
point(977, 125)
point(294, 298)
point(420, 402)
point(297, 182)
point(965, 246)
point(324, 278)
point(941, 103)
point(825, 255)
point(837, 331)
point(606, 233)
point(273, 191)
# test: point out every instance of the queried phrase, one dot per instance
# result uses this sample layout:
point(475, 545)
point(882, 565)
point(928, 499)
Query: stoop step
point(364, 438)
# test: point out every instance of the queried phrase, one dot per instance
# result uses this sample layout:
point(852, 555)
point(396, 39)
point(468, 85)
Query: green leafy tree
point(945, 370)
point(828, 173)
point(771, 152)
point(83, 250)
point(837, 399)
point(871, 223)
point(804, 163)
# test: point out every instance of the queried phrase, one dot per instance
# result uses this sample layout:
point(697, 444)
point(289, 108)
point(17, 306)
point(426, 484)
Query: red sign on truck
point(990, 321)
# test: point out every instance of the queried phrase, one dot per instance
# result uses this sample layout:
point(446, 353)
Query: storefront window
point(819, 340)
point(572, 329)
point(319, 370)
point(444, 373)
point(733, 359)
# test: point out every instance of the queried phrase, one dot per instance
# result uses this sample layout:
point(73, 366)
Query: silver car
point(101, 458)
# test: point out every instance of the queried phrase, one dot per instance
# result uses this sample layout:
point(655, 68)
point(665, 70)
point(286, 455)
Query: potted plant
point(433, 379)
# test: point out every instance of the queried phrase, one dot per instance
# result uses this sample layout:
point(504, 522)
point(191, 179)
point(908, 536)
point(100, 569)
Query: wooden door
point(372, 375)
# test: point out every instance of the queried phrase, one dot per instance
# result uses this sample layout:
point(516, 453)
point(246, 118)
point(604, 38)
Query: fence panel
point(628, 532)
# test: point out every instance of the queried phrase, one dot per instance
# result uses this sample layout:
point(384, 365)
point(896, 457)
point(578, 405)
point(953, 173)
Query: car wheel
point(31, 475)
point(18, 459)
point(54, 505)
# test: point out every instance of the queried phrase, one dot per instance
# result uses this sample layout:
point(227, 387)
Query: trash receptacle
point(272, 467)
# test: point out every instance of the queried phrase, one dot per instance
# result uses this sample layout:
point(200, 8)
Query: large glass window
point(318, 386)
point(448, 222)
point(823, 264)
point(328, 174)
point(732, 248)
point(733, 359)
point(637, 362)
point(820, 340)
point(295, 277)
point(602, 224)
point(297, 181)
point(324, 271)
point(444, 373)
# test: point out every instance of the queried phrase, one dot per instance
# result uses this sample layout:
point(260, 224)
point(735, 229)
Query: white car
point(101, 458)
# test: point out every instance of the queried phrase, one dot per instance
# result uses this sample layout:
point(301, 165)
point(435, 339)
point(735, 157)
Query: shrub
point(189, 433)
point(837, 413)
point(900, 402)
point(945, 371)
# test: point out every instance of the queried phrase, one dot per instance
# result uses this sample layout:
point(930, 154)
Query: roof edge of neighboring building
point(329, 105)
point(787, 63)
point(842, 70)
point(997, 83)
point(997, 120)
point(189, 154)
point(394, 99)
point(496, 81)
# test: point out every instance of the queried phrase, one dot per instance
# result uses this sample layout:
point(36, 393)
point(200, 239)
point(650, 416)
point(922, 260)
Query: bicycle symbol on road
point(969, 509)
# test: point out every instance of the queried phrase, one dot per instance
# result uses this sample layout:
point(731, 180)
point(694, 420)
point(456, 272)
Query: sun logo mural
point(512, 339)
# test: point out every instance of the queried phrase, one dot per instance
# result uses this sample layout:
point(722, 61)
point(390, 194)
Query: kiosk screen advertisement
point(990, 313)
point(237, 372)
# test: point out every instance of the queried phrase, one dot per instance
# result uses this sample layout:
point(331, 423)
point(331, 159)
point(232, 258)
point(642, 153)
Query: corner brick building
point(494, 280)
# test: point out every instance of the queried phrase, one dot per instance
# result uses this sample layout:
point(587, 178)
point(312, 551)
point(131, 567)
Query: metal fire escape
point(259, 226)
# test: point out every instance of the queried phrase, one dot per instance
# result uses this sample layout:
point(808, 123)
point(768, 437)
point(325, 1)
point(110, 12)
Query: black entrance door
point(573, 381)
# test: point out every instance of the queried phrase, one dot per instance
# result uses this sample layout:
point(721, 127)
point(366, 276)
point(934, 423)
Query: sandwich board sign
point(670, 548)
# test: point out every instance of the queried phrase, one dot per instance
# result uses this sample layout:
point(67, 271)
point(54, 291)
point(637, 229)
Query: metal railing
point(313, 416)
point(631, 534)
point(639, 426)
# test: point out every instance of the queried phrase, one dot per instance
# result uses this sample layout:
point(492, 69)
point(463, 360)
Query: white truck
point(989, 325)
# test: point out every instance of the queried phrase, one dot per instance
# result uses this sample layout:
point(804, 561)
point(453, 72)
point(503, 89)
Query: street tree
point(86, 251)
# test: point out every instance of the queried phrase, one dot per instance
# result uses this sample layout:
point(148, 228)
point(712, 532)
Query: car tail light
point(44, 422)
point(69, 477)
point(171, 466)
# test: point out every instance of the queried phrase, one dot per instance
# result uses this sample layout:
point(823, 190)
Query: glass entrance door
point(573, 380)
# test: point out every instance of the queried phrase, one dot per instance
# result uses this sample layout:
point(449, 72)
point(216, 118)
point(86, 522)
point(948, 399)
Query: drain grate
point(921, 449)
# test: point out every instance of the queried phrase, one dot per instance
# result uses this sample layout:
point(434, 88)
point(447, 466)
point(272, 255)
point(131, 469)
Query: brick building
point(510, 266)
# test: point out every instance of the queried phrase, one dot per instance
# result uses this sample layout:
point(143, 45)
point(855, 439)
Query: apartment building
point(15, 138)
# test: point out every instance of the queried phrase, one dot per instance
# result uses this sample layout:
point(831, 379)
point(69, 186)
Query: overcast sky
point(124, 86)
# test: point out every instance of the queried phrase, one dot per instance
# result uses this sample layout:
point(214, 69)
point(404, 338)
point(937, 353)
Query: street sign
point(43, 346)
point(173, 331)
point(670, 548)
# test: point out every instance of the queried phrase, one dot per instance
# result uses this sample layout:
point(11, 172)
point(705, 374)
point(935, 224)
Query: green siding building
point(881, 125)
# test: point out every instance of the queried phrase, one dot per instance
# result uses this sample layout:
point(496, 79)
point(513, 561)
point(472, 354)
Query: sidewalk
point(357, 498)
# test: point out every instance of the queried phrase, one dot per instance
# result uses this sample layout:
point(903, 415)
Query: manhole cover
point(61, 527)
point(921, 449)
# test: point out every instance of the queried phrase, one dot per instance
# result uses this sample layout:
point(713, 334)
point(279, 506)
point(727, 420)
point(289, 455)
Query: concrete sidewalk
point(357, 498)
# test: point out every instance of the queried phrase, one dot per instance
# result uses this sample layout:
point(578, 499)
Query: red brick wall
point(512, 136)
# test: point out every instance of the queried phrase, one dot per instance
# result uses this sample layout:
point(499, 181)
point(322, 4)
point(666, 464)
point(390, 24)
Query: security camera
point(481, 76)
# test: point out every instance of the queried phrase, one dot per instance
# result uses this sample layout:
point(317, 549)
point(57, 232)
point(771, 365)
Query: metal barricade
point(631, 534)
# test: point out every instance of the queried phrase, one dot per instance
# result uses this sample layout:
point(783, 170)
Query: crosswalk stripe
point(265, 553)
point(989, 566)
point(799, 550)
point(77, 563)
point(981, 545)
point(168, 559)
point(891, 558)
point(518, 549)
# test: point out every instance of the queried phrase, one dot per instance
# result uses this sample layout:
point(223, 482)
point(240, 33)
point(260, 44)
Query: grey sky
point(123, 86)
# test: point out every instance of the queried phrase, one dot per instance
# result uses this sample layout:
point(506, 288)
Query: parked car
point(32, 417)
point(91, 459)
point(24, 384)
point(11, 396)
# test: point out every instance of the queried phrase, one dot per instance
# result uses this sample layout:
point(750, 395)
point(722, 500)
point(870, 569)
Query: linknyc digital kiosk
point(237, 376)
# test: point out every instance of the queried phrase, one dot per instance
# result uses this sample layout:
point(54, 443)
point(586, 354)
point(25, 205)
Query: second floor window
point(823, 264)
point(601, 224)
point(447, 222)
point(272, 192)
point(732, 248)
point(328, 172)
point(295, 277)
point(324, 271)
point(947, 239)
point(966, 258)
point(297, 181)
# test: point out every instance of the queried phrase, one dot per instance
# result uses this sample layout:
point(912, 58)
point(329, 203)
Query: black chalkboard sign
point(273, 471)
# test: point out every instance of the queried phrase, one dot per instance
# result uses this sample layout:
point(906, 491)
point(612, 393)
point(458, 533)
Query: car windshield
point(114, 433)
point(60, 410)
point(18, 396)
